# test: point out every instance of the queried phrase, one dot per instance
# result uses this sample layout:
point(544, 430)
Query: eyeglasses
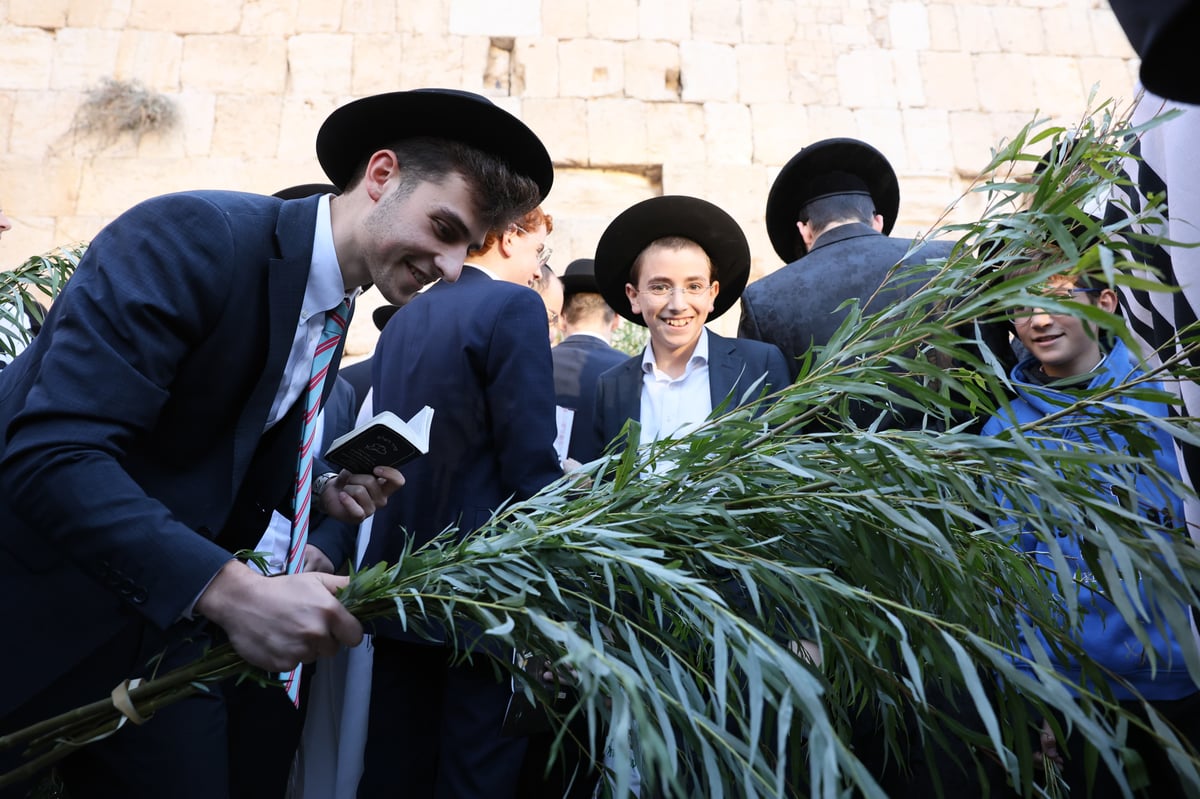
point(552, 318)
point(544, 251)
point(1022, 315)
point(664, 289)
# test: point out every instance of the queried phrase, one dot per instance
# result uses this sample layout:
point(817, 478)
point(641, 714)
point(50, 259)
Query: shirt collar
point(699, 355)
point(325, 288)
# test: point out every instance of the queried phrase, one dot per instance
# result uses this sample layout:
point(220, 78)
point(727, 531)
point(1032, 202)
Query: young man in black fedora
point(154, 424)
point(584, 354)
point(828, 215)
point(672, 264)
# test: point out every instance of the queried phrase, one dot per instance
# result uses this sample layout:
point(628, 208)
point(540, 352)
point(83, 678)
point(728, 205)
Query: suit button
point(138, 596)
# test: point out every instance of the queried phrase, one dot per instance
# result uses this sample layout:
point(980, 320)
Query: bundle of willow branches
point(674, 581)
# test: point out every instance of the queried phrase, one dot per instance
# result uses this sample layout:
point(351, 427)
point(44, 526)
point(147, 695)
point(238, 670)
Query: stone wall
point(633, 97)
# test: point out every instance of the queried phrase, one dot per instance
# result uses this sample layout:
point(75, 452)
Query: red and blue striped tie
point(331, 336)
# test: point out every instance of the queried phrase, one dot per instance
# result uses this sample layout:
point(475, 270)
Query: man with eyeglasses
point(671, 264)
point(476, 351)
point(828, 215)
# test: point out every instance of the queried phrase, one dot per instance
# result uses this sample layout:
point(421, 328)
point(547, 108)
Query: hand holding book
point(383, 440)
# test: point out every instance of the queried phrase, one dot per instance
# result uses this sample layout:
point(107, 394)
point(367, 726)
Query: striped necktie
point(331, 336)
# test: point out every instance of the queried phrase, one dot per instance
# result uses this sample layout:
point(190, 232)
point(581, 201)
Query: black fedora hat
point(302, 190)
point(356, 130)
point(824, 169)
point(382, 314)
point(580, 276)
point(672, 215)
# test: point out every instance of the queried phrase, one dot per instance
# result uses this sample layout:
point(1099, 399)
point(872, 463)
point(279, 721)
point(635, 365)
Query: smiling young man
point(155, 423)
point(1069, 357)
point(672, 264)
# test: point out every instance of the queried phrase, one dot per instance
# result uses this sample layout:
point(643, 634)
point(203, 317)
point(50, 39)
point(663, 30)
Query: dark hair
point(824, 211)
point(500, 195)
point(669, 243)
point(583, 305)
point(545, 279)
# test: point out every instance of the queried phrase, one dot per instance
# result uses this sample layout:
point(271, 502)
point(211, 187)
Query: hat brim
point(299, 192)
point(717, 233)
point(360, 128)
point(788, 193)
point(382, 314)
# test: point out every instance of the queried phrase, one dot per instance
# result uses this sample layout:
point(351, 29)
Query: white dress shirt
point(674, 406)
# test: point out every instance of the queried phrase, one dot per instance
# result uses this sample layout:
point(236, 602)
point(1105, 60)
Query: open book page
point(383, 440)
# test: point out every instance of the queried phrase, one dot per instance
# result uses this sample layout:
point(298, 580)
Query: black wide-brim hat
point(360, 128)
point(672, 215)
point(822, 169)
point(580, 276)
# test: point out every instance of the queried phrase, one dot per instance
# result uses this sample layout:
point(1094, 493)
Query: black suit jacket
point(133, 424)
point(734, 366)
point(579, 361)
point(796, 308)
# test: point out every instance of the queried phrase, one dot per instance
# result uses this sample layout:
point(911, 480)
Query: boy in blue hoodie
point(1066, 358)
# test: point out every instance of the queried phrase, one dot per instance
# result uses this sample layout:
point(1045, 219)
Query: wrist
point(318, 488)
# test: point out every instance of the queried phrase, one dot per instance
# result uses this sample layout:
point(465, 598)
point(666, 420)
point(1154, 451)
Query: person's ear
point(615, 323)
point(381, 167)
point(715, 289)
point(632, 293)
point(505, 242)
point(877, 223)
point(806, 233)
point(1108, 301)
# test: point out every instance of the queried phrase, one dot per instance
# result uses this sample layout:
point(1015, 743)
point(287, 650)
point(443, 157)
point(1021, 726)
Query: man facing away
point(585, 353)
point(828, 215)
point(154, 425)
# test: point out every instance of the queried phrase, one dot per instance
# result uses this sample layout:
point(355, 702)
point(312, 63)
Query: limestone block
point(949, 80)
point(736, 188)
point(368, 16)
point(36, 188)
point(717, 21)
point(598, 195)
point(849, 36)
point(565, 20)
point(1004, 82)
point(115, 184)
point(489, 18)
point(30, 235)
point(535, 67)
point(211, 16)
point(943, 27)
point(883, 128)
point(235, 63)
point(269, 18)
point(591, 68)
point(908, 24)
point(300, 120)
point(1057, 83)
point(561, 123)
point(90, 14)
point(866, 79)
point(246, 125)
point(8, 101)
point(1065, 32)
point(427, 17)
point(1019, 30)
point(675, 133)
point(1111, 77)
point(26, 58)
point(69, 230)
point(708, 72)
point(666, 20)
point(970, 138)
point(780, 131)
point(728, 134)
point(475, 54)
point(976, 29)
point(927, 134)
point(769, 20)
point(197, 119)
point(652, 70)
point(161, 145)
point(613, 19)
point(318, 16)
point(924, 199)
point(910, 85)
point(808, 84)
point(763, 73)
point(386, 62)
point(41, 122)
point(616, 132)
point(1107, 35)
point(38, 13)
point(82, 56)
point(153, 58)
point(827, 121)
point(320, 63)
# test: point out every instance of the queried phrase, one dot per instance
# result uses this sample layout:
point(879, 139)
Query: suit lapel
point(724, 368)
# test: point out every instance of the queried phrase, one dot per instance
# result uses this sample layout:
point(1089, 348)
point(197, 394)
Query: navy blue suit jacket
point(734, 366)
point(579, 361)
point(133, 425)
point(476, 352)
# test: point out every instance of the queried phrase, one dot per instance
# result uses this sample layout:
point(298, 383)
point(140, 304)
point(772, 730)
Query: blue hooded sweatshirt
point(1105, 635)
